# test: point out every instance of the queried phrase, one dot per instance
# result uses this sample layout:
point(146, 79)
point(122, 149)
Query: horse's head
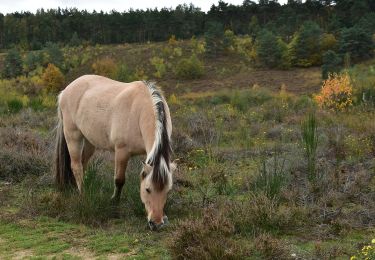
point(154, 199)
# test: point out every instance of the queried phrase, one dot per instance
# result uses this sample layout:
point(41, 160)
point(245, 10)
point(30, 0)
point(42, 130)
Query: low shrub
point(258, 213)
point(92, 207)
point(14, 105)
point(271, 177)
point(189, 68)
point(22, 153)
point(269, 248)
point(363, 79)
point(206, 238)
point(336, 92)
point(105, 67)
point(159, 66)
point(242, 100)
point(366, 253)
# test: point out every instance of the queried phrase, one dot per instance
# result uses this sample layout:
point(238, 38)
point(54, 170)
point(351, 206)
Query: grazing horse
point(127, 118)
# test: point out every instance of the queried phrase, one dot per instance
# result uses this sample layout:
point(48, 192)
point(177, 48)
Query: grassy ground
point(245, 187)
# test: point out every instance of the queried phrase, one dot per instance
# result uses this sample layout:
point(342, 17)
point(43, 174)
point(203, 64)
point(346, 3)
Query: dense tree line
point(71, 26)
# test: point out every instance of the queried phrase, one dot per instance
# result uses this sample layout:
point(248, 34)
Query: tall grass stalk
point(271, 177)
point(310, 143)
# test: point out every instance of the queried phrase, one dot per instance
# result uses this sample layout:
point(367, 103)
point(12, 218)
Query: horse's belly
point(95, 128)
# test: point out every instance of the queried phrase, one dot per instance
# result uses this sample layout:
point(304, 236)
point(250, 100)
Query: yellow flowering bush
point(366, 253)
point(336, 92)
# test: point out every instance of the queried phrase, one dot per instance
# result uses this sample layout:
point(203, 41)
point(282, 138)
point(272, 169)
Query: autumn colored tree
point(52, 79)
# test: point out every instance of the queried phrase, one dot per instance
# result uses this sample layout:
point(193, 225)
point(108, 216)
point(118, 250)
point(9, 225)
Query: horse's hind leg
point(74, 140)
point(87, 152)
point(121, 161)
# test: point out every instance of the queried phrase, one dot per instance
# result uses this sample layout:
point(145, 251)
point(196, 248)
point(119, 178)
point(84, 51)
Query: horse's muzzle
point(154, 227)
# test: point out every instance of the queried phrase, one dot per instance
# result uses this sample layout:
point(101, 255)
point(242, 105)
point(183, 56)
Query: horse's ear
point(146, 169)
point(143, 174)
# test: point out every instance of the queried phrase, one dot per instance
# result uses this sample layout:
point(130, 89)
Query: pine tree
point(54, 54)
point(12, 64)
point(356, 42)
point(268, 49)
point(305, 47)
point(214, 38)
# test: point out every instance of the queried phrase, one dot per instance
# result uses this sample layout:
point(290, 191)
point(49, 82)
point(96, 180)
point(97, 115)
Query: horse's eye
point(148, 190)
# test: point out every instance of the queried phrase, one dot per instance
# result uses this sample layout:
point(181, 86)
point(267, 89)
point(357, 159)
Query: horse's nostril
point(152, 225)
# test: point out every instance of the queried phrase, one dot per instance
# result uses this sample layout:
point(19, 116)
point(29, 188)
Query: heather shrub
point(189, 68)
point(205, 238)
point(22, 153)
point(269, 247)
point(336, 92)
point(52, 79)
point(258, 213)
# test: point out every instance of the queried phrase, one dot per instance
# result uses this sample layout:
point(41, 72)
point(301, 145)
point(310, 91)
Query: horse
point(96, 112)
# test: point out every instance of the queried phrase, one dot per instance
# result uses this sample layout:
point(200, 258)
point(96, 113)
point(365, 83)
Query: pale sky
point(9, 6)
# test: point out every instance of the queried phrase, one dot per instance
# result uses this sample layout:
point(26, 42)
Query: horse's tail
point(63, 171)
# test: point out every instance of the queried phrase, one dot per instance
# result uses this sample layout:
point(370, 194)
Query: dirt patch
point(87, 254)
point(81, 252)
point(298, 81)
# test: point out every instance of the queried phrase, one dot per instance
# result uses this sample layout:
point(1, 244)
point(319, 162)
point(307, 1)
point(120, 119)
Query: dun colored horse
point(127, 118)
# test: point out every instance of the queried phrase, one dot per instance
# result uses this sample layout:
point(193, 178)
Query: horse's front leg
point(121, 161)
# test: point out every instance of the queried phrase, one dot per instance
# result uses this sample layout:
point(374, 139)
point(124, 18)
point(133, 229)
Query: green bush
point(32, 61)
point(363, 78)
point(242, 100)
point(331, 63)
point(189, 68)
point(123, 73)
point(14, 105)
point(159, 66)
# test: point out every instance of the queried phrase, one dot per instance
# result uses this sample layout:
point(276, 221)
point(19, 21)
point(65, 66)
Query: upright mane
point(159, 156)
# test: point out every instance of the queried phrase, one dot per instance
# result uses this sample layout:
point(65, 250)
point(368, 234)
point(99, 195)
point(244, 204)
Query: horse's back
point(99, 107)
